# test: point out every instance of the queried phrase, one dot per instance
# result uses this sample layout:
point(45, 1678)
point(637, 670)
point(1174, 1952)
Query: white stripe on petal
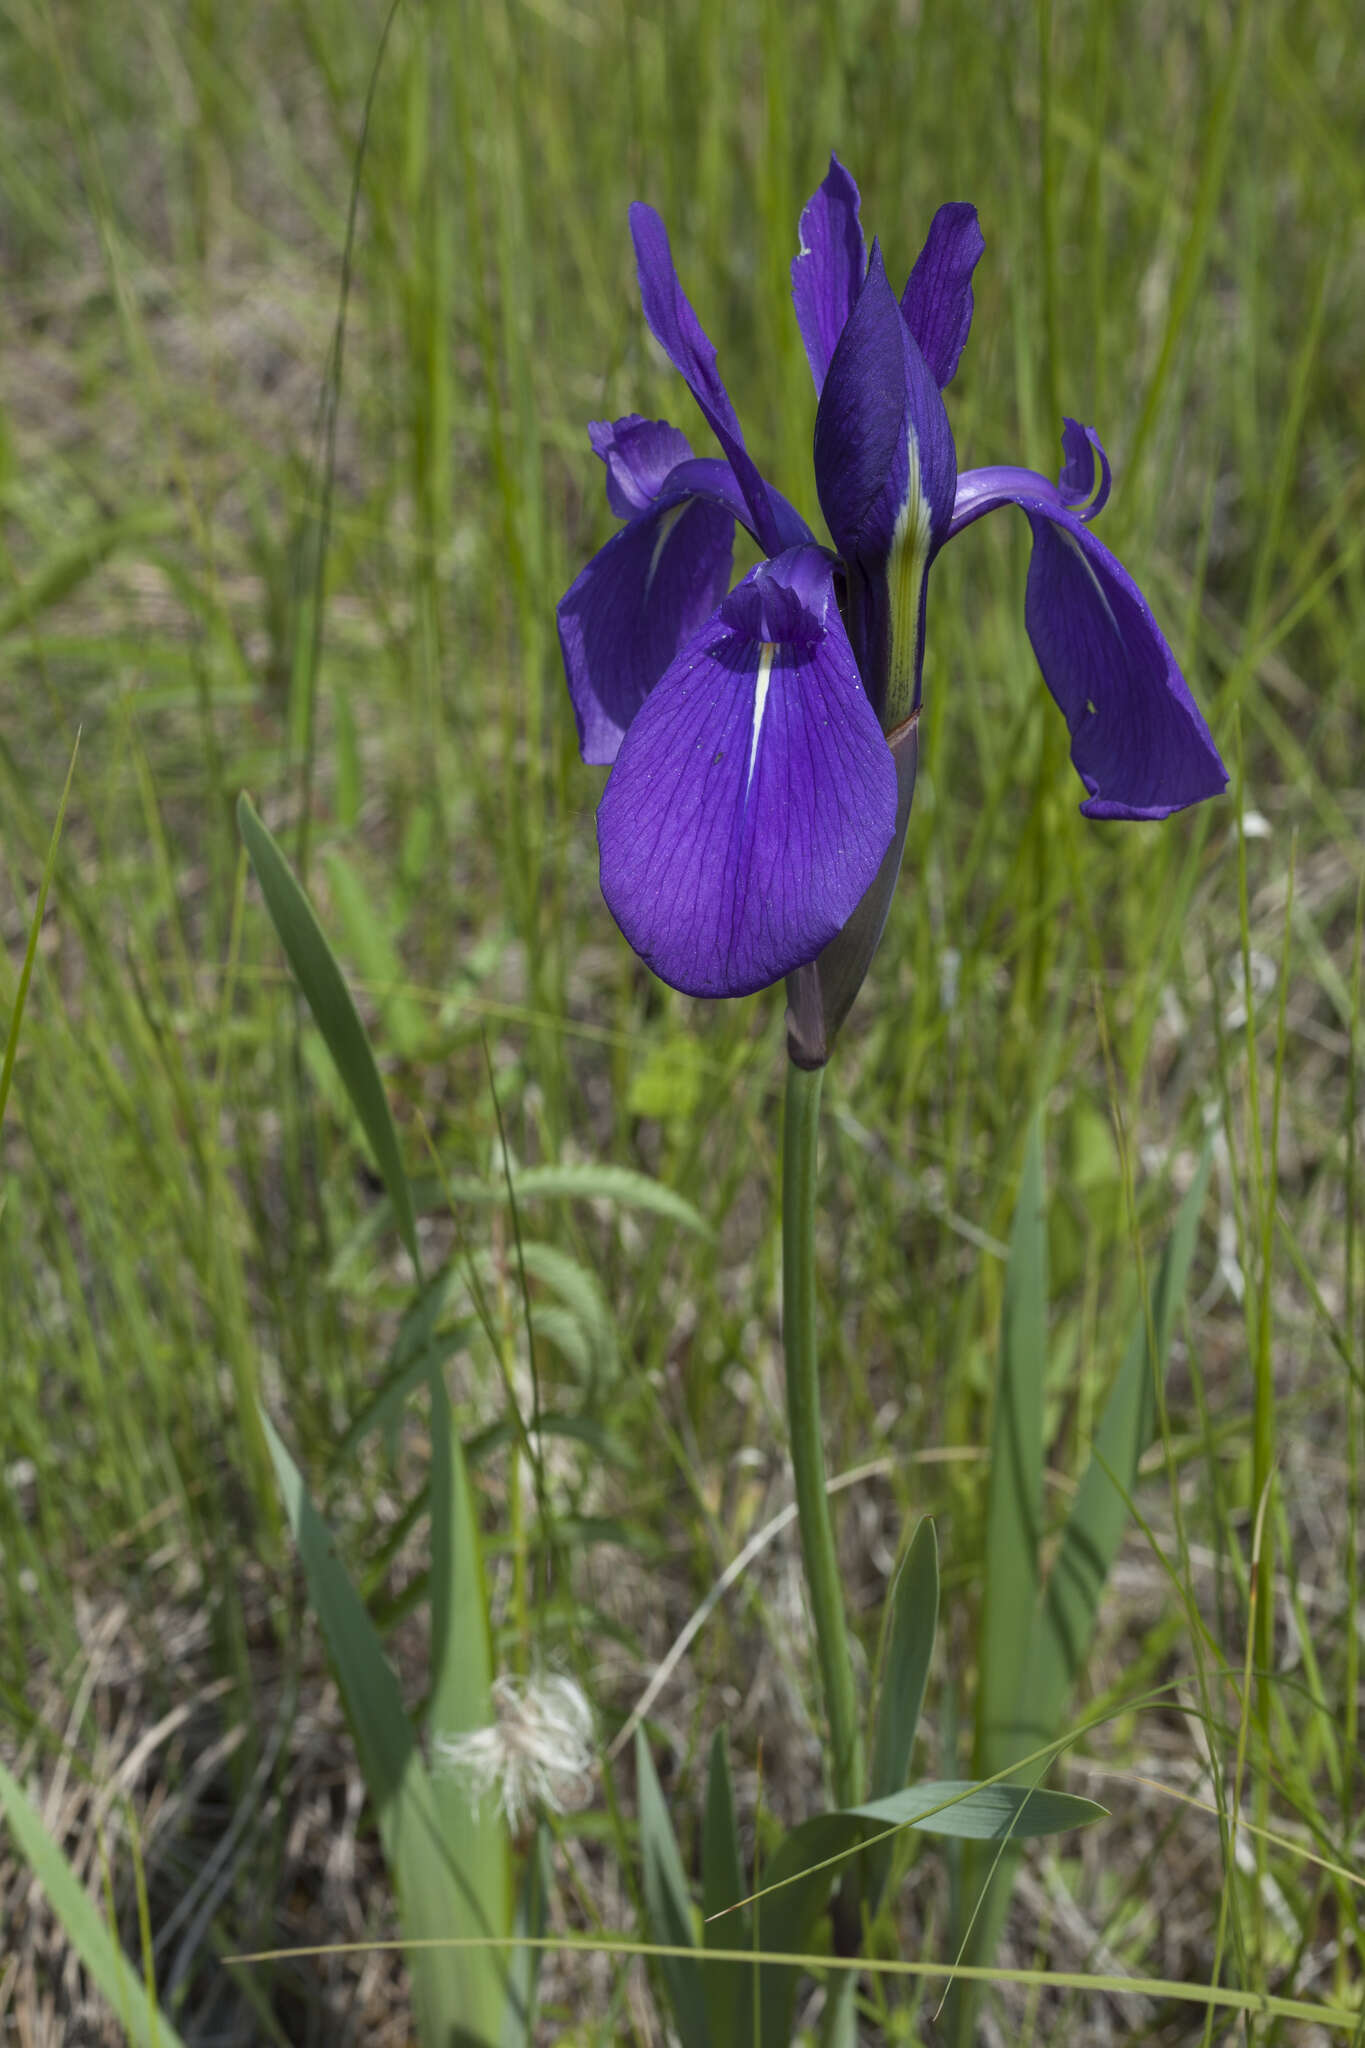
point(666, 525)
point(765, 670)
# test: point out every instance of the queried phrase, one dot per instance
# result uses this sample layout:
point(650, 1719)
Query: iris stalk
point(818, 1554)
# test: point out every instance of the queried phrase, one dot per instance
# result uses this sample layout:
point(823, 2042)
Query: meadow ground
point(1172, 200)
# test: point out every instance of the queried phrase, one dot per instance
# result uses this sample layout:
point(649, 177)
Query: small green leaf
point(1014, 1496)
point(324, 988)
point(907, 1648)
point(581, 1293)
point(981, 1813)
point(667, 1904)
point(143, 2021)
point(671, 1081)
point(434, 1194)
point(618, 1184)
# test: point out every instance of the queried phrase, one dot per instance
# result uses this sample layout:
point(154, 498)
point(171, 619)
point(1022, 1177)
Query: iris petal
point(640, 598)
point(886, 471)
point(828, 268)
point(639, 454)
point(1076, 484)
point(680, 334)
point(879, 397)
point(753, 796)
point(937, 300)
point(1138, 739)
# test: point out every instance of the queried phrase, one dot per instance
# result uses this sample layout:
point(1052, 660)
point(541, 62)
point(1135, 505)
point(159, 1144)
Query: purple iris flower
point(762, 739)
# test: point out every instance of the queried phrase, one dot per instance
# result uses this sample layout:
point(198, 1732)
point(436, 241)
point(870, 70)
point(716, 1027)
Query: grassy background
point(1172, 203)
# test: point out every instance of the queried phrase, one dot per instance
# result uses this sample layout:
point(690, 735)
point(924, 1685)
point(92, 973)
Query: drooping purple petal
point(937, 300)
point(1138, 739)
point(680, 334)
point(640, 599)
point(828, 268)
point(639, 454)
point(753, 796)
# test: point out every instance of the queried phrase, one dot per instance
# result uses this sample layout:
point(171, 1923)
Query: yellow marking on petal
point(906, 564)
point(666, 526)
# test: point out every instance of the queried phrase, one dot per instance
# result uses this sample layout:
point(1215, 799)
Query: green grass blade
point(908, 1646)
point(85, 1927)
point(1014, 1500)
point(1099, 1514)
point(667, 1903)
point(31, 949)
point(458, 1994)
point(324, 988)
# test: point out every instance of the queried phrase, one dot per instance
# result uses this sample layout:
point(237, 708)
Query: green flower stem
point(803, 1420)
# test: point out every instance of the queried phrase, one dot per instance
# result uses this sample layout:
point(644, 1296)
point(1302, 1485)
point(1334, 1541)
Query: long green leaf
point(667, 1903)
point(325, 991)
point(907, 1648)
point(1014, 1498)
point(785, 1919)
point(1099, 1513)
point(475, 1840)
point(458, 1993)
point(523, 1971)
point(722, 1885)
point(146, 2025)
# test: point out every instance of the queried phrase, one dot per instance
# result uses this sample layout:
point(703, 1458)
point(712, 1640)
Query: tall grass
point(224, 586)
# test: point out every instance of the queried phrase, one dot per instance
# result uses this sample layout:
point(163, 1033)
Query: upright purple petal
point(886, 471)
point(640, 599)
point(680, 334)
point(753, 796)
point(639, 454)
point(880, 410)
point(937, 300)
point(1138, 739)
point(828, 268)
